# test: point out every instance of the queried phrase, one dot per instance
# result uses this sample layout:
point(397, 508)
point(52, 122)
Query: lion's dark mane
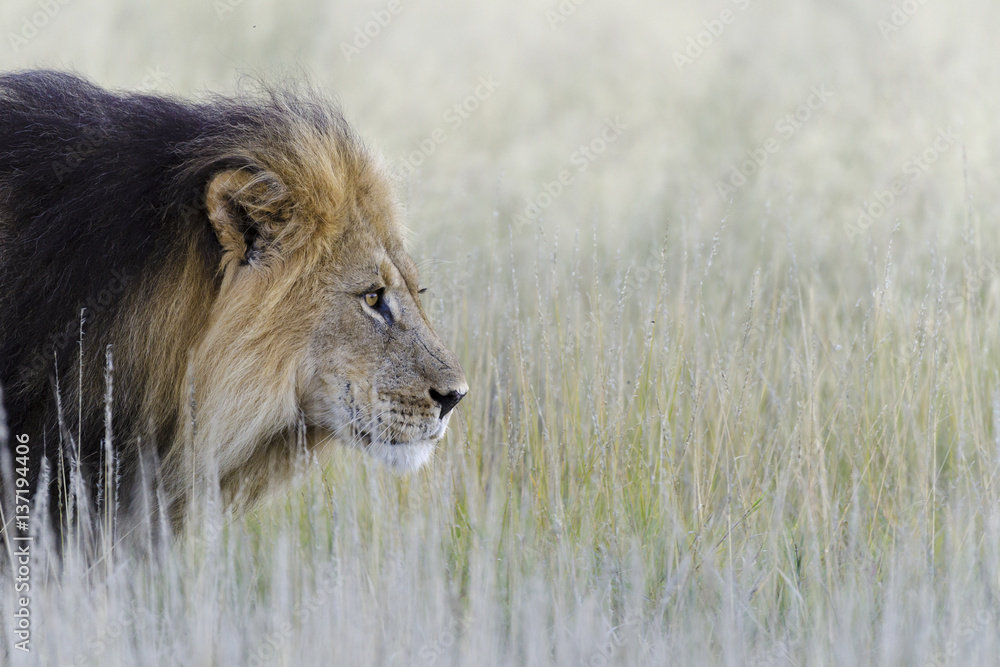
point(98, 191)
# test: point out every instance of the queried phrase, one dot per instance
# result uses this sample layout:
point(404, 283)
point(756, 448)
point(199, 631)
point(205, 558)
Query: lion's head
point(318, 317)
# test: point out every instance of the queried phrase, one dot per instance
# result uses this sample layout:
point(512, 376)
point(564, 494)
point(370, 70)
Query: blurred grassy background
point(560, 80)
point(774, 442)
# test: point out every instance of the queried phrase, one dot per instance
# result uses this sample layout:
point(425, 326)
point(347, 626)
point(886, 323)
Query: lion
point(201, 290)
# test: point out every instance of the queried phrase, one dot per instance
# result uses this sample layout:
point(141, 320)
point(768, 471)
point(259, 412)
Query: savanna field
point(724, 278)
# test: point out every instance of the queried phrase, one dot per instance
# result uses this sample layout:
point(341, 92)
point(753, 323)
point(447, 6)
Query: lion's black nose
point(446, 401)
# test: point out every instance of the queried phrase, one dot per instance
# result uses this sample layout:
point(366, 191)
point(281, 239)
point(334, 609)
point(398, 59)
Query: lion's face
point(321, 318)
point(380, 378)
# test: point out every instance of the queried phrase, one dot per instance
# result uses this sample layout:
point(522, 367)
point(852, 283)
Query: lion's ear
point(247, 210)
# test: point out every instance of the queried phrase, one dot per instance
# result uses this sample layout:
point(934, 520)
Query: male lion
point(200, 290)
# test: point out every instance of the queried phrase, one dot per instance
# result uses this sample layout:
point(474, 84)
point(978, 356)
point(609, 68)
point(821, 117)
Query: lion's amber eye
point(372, 298)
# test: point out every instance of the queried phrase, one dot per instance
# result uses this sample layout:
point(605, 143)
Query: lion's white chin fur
point(400, 457)
point(403, 457)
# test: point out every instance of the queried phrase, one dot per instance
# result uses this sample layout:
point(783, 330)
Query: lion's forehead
point(360, 262)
